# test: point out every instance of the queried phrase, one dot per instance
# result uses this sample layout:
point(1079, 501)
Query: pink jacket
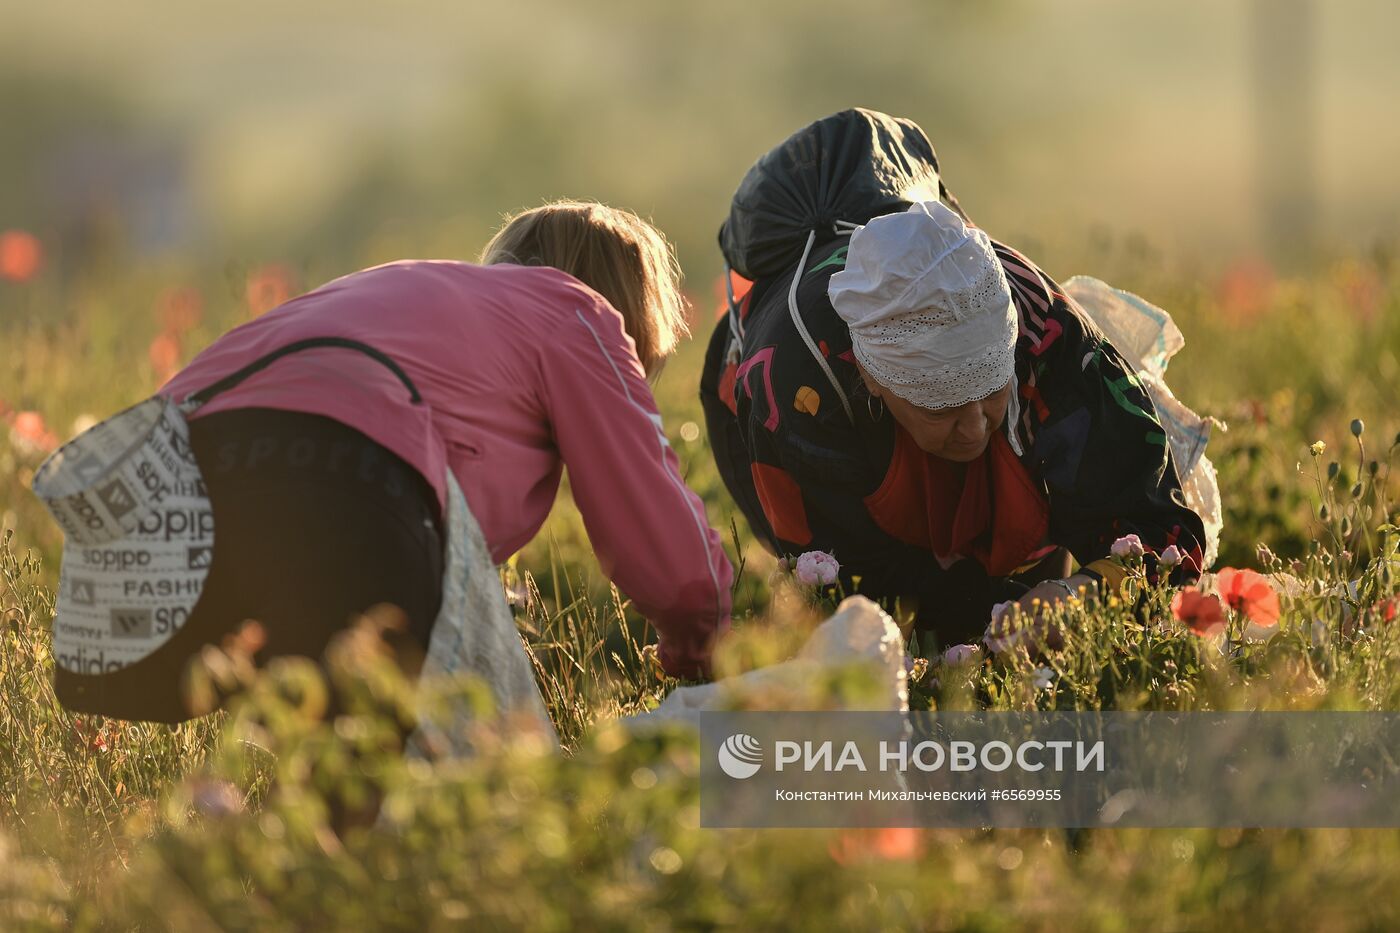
point(522, 370)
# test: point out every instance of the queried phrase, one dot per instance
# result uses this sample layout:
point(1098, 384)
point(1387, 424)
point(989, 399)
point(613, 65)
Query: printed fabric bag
point(138, 533)
point(1148, 338)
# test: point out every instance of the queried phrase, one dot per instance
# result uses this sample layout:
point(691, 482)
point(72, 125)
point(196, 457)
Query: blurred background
point(170, 169)
point(330, 134)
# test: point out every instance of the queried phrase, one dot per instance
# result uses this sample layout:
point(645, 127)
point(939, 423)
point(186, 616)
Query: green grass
point(225, 822)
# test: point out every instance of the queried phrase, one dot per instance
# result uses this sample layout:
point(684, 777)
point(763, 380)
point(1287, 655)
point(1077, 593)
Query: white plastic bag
point(1148, 338)
point(860, 632)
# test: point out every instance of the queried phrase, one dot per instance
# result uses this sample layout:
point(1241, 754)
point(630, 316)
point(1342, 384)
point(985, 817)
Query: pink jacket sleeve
point(648, 529)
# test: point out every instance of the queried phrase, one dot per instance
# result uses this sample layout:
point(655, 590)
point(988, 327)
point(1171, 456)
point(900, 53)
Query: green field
point(105, 823)
point(169, 169)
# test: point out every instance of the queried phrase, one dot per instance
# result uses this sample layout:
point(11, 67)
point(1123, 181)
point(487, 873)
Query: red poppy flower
point(1203, 613)
point(1246, 290)
point(28, 431)
point(20, 255)
point(268, 287)
point(165, 356)
point(29, 425)
point(886, 845)
point(1250, 594)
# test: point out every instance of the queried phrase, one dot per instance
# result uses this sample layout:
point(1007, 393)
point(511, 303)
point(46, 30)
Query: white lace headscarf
point(929, 309)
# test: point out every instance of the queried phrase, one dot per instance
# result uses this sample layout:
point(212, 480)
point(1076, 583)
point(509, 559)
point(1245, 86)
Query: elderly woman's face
point(960, 433)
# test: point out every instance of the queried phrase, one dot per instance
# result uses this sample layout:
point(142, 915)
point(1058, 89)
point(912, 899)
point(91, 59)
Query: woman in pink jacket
point(327, 467)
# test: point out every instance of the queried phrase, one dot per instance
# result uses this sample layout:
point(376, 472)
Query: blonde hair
point(614, 252)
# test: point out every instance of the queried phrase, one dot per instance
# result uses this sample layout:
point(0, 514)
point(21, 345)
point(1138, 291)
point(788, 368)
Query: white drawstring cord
point(802, 328)
point(1013, 417)
point(736, 326)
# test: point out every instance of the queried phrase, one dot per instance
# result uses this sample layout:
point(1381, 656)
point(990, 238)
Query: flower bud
point(1356, 491)
point(1373, 467)
point(1127, 548)
point(960, 654)
point(1357, 426)
point(1333, 469)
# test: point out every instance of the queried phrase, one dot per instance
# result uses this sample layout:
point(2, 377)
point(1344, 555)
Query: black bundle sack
point(850, 166)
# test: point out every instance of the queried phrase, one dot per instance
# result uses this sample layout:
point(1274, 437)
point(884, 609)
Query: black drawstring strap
point(233, 379)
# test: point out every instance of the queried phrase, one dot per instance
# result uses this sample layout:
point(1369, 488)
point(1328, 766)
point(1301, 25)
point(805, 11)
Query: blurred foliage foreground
point(271, 817)
point(265, 817)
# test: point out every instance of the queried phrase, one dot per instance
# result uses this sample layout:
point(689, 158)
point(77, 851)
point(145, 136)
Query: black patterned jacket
point(806, 477)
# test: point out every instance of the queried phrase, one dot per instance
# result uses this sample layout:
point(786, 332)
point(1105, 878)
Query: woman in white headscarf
point(928, 406)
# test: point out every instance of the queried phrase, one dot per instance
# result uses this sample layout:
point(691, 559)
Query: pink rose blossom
point(816, 568)
point(1128, 547)
point(1170, 557)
